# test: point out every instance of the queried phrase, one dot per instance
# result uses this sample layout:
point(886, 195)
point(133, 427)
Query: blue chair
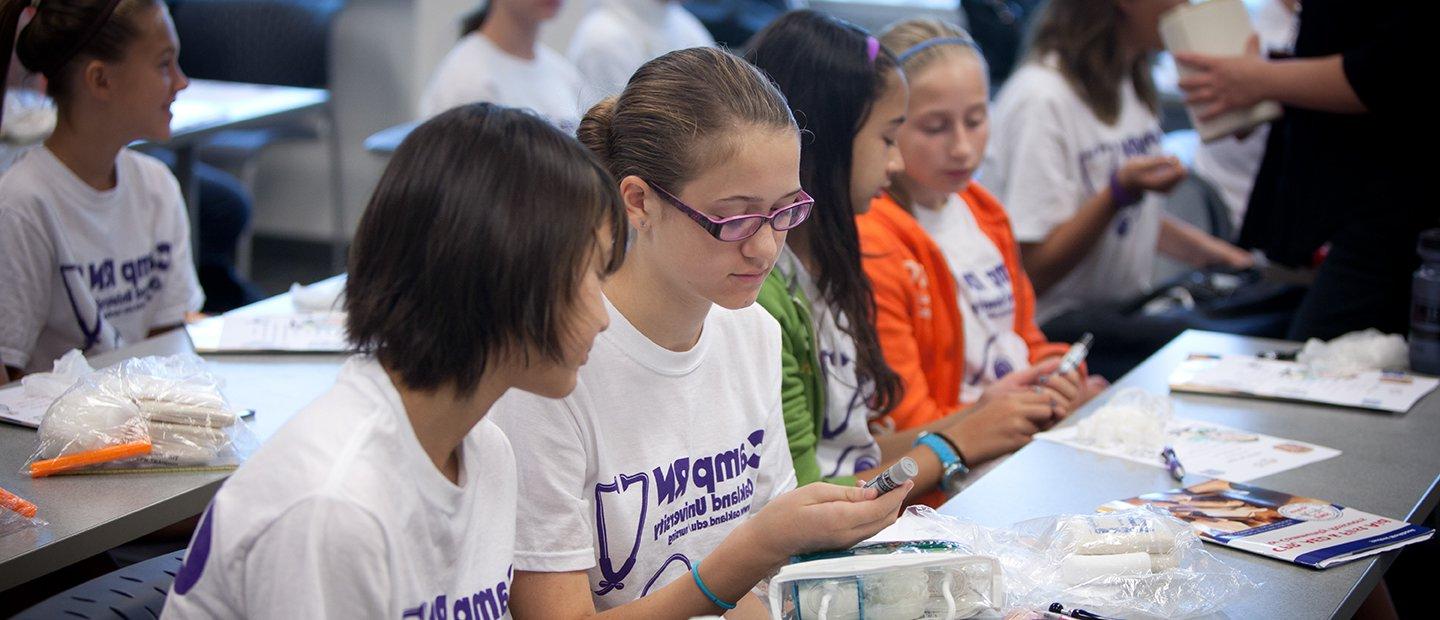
point(136, 591)
point(276, 42)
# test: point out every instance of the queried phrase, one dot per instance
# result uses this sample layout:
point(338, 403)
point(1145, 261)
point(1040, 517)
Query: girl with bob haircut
point(94, 239)
point(663, 486)
point(838, 384)
point(393, 494)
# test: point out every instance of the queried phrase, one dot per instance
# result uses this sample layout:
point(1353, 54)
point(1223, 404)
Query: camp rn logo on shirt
point(119, 287)
point(486, 604)
point(719, 492)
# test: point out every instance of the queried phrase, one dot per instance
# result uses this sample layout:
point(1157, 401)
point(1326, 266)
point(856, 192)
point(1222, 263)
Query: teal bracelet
point(695, 570)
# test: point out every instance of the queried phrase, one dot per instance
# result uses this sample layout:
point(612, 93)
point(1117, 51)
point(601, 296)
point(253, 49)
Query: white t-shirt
point(476, 70)
point(654, 458)
point(342, 515)
point(618, 36)
point(986, 295)
point(1048, 155)
point(844, 445)
point(86, 269)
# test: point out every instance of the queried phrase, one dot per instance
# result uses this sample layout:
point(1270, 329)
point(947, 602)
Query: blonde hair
point(907, 40)
point(1084, 36)
point(904, 39)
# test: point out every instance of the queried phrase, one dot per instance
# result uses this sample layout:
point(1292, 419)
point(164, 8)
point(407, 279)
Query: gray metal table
point(1389, 467)
point(385, 141)
point(91, 514)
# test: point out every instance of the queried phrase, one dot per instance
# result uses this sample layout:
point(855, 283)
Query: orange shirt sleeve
point(894, 287)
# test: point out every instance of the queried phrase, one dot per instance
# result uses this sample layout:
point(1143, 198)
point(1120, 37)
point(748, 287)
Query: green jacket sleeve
point(802, 396)
point(799, 418)
point(795, 398)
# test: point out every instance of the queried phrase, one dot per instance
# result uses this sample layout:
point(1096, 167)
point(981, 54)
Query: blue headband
point(925, 45)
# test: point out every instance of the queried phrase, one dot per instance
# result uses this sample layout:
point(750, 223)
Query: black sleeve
point(1382, 68)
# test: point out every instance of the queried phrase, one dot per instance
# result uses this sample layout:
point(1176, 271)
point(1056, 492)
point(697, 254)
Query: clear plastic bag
point(890, 582)
point(16, 514)
point(1356, 352)
point(1133, 421)
point(69, 368)
point(1131, 563)
point(143, 413)
point(1071, 559)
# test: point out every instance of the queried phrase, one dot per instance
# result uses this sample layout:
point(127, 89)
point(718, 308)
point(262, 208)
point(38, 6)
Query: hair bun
point(596, 129)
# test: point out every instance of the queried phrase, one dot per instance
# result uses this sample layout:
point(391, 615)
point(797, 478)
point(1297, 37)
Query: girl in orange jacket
point(955, 310)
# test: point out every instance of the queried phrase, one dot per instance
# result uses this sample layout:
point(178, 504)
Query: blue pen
point(1172, 463)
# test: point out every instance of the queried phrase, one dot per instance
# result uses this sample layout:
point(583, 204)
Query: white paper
point(1243, 375)
point(1212, 450)
point(316, 332)
point(18, 407)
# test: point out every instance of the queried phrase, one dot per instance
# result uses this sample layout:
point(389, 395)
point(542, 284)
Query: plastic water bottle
point(1425, 307)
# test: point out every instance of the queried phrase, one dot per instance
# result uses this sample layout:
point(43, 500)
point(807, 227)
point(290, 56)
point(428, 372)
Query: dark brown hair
point(65, 31)
point(472, 21)
point(474, 245)
point(677, 114)
point(1084, 38)
point(823, 66)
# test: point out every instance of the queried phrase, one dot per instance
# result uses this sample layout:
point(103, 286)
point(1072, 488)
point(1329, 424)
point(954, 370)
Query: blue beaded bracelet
point(695, 570)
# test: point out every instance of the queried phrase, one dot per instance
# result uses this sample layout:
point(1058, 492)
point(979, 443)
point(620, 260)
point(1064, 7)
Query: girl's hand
point(820, 516)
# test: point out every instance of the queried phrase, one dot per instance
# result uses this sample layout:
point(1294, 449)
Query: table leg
point(190, 188)
point(340, 239)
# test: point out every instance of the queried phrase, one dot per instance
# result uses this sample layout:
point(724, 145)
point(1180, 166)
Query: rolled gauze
point(181, 444)
point(180, 413)
point(1160, 562)
point(1077, 569)
point(1112, 534)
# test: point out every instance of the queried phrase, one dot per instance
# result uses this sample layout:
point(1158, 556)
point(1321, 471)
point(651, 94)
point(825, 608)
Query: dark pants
point(1364, 282)
point(1124, 336)
point(1122, 340)
point(224, 214)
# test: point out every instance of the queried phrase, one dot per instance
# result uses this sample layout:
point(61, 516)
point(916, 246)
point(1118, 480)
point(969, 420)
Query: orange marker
point(40, 469)
point(17, 503)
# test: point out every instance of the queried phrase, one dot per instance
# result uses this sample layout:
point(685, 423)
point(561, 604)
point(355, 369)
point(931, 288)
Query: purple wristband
point(1119, 195)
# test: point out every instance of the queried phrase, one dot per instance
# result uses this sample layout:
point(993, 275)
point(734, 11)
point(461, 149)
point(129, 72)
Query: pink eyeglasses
point(742, 227)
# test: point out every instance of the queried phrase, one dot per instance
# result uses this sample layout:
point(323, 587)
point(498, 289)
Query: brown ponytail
point(676, 114)
point(596, 127)
point(472, 21)
point(64, 31)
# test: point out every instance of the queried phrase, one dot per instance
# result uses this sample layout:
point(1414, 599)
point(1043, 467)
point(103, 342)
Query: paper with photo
point(1211, 450)
point(1304, 530)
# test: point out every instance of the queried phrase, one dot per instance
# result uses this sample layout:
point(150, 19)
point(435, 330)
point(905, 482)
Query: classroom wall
point(384, 51)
